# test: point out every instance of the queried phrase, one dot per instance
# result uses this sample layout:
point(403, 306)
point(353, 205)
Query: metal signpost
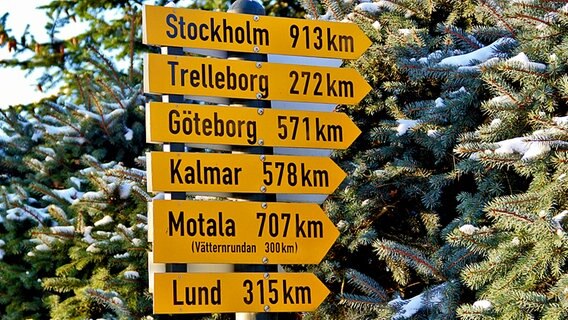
point(263, 232)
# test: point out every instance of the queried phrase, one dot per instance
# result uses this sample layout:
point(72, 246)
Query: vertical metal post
point(174, 147)
point(254, 8)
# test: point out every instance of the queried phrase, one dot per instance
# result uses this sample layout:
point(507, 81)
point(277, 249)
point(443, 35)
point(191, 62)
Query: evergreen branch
point(511, 214)
point(134, 175)
point(62, 284)
point(494, 10)
point(60, 235)
point(82, 92)
point(111, 92)
point(12, 121)
point(70, 124)
point(518, 200)
point(366, 284)
point(462, 258)
point(102, 123)
point(525, 5)
point(142, 194)
point(131, 40)
point(521, 16)
point(48, 192)
point(359, 301)
point(137, 249)
point(470, 241)
point(503, 91)
point(475, 276)
point(31, 213)
point(311, 7)
point(496, 160)
point(453, 32)
point(335, 7)
point(408, 8)
point(384, 247)
point(110, 67)
point(111, 300)
point(533, 72)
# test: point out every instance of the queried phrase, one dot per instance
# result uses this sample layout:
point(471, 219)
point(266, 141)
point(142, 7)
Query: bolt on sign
point(177, 293)
point(177, 27)
point(246, 173)
point(191, 123)
point(240, 232)
point(185, 75)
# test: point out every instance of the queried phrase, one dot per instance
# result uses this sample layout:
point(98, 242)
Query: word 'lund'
point(247, 33)
point(190, 123)
point(246, 173)
point(237, 292)
point(240, 232)
point(185, 75)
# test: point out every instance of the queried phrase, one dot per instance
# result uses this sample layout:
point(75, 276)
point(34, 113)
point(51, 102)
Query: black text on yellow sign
point(237, 292)
point(246, 173)
point(190, 123)
point(240, 232)
point(179, 27)
point(187, 75)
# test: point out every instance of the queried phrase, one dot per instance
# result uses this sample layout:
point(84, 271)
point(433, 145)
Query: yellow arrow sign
point(190, 123)
point(178, 27)
point(176, 293)
point(246, 173)
point(165, 74)
point(240, 232)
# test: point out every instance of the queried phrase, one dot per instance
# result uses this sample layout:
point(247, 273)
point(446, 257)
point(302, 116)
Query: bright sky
point(15, 86)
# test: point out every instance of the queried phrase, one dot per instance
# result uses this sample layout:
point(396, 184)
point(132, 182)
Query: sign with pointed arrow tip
point(240, 232)
point(177, 27)
point(246, 173)
point(182, 293)
point(190, 123)
point(185, 75)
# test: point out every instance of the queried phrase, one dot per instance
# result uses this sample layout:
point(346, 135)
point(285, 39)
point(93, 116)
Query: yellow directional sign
point(165, 74)
point(176, 293)
point(178, 27)
point(240, 232)
point(246, 173)
point(190, 123)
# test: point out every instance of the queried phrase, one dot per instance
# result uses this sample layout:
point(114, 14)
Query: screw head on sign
point(256, 18)
point(266, 275)
point(260, 142)
point(259, 95)
point(264, 205)
point(262, 157)
point(256, 49)
point(259, 65)
point(260, 111)
point(264, 260)
point(266, 308)
point(263, 189)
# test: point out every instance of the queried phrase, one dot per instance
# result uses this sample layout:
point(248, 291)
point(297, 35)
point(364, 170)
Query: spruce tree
point(86, 203)
point(406, 191)
point(19, 278)
point(521, 233)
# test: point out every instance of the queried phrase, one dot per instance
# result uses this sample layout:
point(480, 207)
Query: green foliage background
point(454, 206)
